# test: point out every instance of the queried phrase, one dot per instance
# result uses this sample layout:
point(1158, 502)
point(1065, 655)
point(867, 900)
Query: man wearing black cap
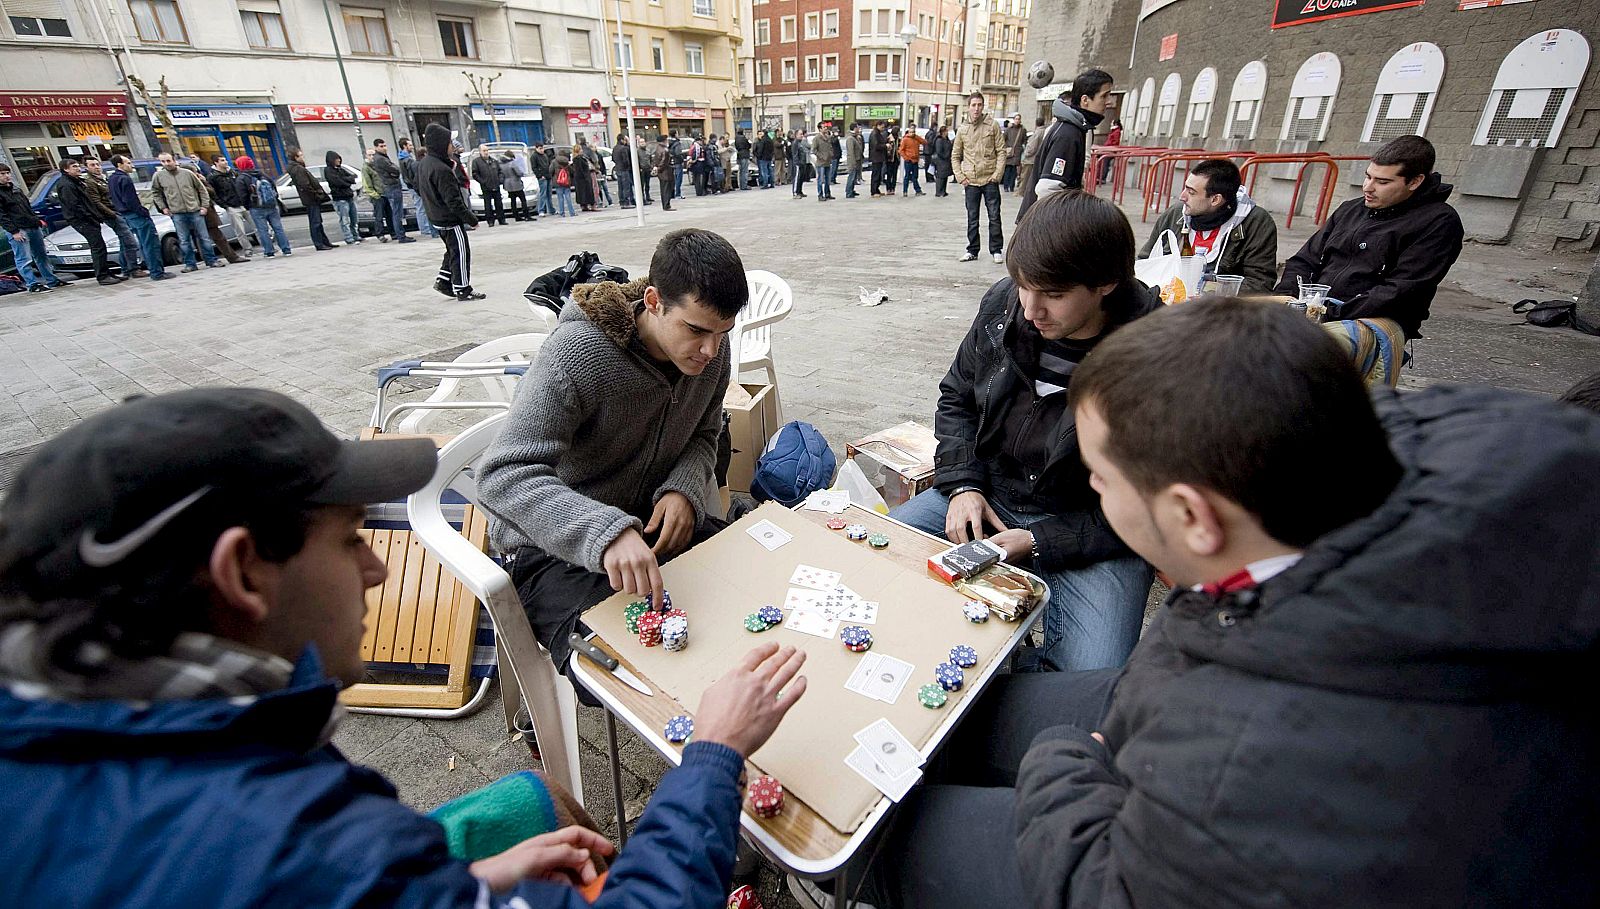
point(181, 599)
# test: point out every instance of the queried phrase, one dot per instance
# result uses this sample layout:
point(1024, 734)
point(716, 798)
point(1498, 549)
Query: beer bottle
point(1186, 246)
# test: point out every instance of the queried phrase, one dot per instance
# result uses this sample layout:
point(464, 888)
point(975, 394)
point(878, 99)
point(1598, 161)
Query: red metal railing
point(1158, 177)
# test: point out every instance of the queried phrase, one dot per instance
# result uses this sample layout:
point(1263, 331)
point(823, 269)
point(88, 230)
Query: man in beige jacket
point(978, 160)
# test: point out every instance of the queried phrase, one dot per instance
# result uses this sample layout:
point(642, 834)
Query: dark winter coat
point(77, 205)
point(939, 152)
point(741, 147)
point(16, 212)
point(100, 192)
point(970, 425)
point(1383, 263)
point(246, 183)
point(225, 189)
point(486, 170)
point(311, 192)
point(539, 164)
point(124, 195)
point(764, 148)
point(341, 185)
point(1403, 718)
point(1062, 153)
point(387, 171)
point(436, 182)
point(1249, 248)
point(877, 147)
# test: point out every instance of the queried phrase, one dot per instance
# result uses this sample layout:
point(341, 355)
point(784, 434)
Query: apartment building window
point(694, 59)
point(658, 55)
point(941, 71)
point(763, 32)
point(366, 30)
point(865, 28)
point(1022, 38)
point(530, 42)
point(813, 68)
point(763, 72)
point(959, 29)
point(830, 24)
point(456, 35)
point(38, 19)
point(786, 30)
point(158, 21)
point(884, 28)
point(813, 26)
point(1005, 40)
point(704, 8)
point(263, 24)
point(788, 69)
point(975, 72)
point(579, 47)
point(623, 53)
point(830, 67)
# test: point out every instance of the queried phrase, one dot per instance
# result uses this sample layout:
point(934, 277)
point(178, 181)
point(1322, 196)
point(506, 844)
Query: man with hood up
point(341, 186)
point(1236, 236)
point(1065, 146)
point(448, 210)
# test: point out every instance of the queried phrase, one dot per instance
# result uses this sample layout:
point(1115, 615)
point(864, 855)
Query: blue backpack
point(266, 193)
point(796, 463)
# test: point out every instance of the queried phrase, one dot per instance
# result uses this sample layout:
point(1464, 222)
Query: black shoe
point(109, 281)
point(470, 295)
point(443, 286)
point(38, 289)
point(140, 273)
point(166, 275)
point(323, 248)
point(62, 282)
point(188, 268)
point(407, 240)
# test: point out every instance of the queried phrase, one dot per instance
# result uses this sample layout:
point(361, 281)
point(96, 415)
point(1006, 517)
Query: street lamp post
point(355, 112)
point(633, 144)
point(907, 34)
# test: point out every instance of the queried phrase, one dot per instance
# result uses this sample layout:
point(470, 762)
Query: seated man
point(181, 599)
point(1236, 236)
point(1358, 694)
point(612, 437)
point(1007, 460)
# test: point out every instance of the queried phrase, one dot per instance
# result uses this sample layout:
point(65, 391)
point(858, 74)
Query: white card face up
point(889, 748)
point(799, 599)
point(809, 621)
point(863, 612)
point(769, 534)
point(895, 787)
point(838, 599)
point(814, 578)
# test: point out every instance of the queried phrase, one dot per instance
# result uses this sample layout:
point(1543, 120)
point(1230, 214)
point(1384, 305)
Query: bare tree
point(483, 89)
point(158, 103)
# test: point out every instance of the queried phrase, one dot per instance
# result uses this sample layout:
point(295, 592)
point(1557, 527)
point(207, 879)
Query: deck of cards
point(886, 759)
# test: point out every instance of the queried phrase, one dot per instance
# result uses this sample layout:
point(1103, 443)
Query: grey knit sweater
point(597, 434)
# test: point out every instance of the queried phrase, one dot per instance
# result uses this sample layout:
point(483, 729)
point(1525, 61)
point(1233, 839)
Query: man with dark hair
point(1585, 394)
point(94, 180)
point(86, 214)
point(978, 159)
point(605, 465)
point(312, 196)
point(1383, 255)
point(1236, 236)
point(661, 166)
point(130, 208)
point(225, 193)
point(182, 581)
point(1335, 705)
point(448, 210)
point(390, 187)
point(408, 184)
point(1007, 464)
point(24, 230)
point(486, 170)
point(1065, 146)
point(877, 156)
point(182, 195)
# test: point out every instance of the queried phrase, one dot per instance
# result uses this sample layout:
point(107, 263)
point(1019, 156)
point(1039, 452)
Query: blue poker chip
point(666, 601)
point(949, 676)
point(770, 614)
point(963, 656)
point(856, 638)
point(679, 728)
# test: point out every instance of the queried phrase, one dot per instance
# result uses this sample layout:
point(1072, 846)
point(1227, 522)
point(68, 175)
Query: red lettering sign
point(1169, 47)
point(62, 106)
point(1300, 12)
point(338, 113)
point(586, 117)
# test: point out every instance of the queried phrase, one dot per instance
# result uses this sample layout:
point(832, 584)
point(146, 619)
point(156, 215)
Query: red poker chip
point(766, 796)
point(836, 523)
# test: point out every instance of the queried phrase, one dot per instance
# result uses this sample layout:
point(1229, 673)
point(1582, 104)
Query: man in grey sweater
point(606, 459)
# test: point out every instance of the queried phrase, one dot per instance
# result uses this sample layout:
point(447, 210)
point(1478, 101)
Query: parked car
point(289, 197)
point(530, 183)
point(48, 207)
point(69, 251)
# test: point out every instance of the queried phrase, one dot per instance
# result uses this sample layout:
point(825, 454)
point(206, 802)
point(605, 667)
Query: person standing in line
point(1065, 147)
point(661, 165)
point(697, 166)
point(780, 157)
point(380, 205)
point(675, 146)
point(764, 159)
point(125, 199)
point(511, 174)
point(622, 164)
point(854, 148)
point(393, 193)
point(561, 176)
point(261, 197)
point(87, 216)
point(910, 154)
point(448, 210)
point(408, 184)
point(978, 158)
point(642, 152)
point(1030, 153)
point(877, 156)
point(724, 165)
point(799, 157)
point(25, 231)
point(1016, 136)
point(602, 187)
point(939, 153)
point(226, 196)
point(94, 180)
point(539, 166)
point(891, 161)
point(1113, 138)
point(341, 187)
point(838, 157)
point(822, 150)
point(486, 170)
point(213, 221)
point(312, 195)
point(181, 195)
point(579, 173)
point(741, 149)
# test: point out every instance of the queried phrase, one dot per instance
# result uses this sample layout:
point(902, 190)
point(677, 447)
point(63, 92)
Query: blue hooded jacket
point(222, 803)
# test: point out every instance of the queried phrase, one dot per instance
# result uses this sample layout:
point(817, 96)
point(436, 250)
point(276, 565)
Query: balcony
point(681, 17)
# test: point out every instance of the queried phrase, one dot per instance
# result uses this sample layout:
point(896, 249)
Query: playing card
point(862, 675)
point(814, 578)
point(828, 500)
point(895, 787)
point(888, 678)
point(799, 599)
point(837, 600)
point(891, 750)
point(862, 612)
point(769, 534)
point(807, 621)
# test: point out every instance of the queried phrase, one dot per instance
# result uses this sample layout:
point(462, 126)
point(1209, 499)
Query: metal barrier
point(1157, 185)
point(1120, 155)
point(1330, 179)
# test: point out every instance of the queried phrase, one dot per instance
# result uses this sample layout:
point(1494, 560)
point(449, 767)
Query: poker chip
point(856, 638)
point(754, 622)
point(856, 531)
point(932, 696)
point(631, 613)
point(650, 629)
point(675, 632)
point(674, 614)
point(766, 796)
point(770, 614)
point(949, 676)
point(976, 611)
point(679, 728)
point(666, 601)
point(963, 656)
point(878, 541)
point(837, 524)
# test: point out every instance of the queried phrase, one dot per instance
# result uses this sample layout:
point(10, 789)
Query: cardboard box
point(898, 461)
point(752, 419)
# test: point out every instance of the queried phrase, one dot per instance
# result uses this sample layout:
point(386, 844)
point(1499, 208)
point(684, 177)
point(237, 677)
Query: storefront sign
point(1300, 12)
point(877, 111)
point(652, 113)
point(834, 112)
point(63, 106)
point(1169, 47)
point(586, 118)
point(183, 116)
point(90, 131)
point(339, 113)
point(687, 113)
point(509, 112)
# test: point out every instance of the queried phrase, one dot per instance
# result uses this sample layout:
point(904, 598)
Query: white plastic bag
point(1176, 276)
point(852, 480)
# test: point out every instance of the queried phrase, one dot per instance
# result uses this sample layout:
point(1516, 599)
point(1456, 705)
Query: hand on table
point(674, 518)
point(1017, 542)
point(968, 513)
point(742, 709)
point(560, 856)
point(631, 566)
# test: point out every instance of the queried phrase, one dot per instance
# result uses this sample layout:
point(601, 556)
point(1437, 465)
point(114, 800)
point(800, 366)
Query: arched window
point(1534, 89)
point(1201, 94)
point(1167, 104)
point(1404, 97)
point(1130, 108)
point(1311, 99)
point(1147, 97)
point(1244, 102)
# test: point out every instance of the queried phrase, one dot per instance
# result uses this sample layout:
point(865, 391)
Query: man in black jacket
point(878, 158)
point(225, 196)
point(447, 209)
point(86, 215)
point(1383, 255)
point(486, 170)
point(312, 196)
point(24, 230)
point(342, 188)
point(622, 164)
point(389, 185)
point(741, 159)
point(1007, 464)
point(1065, 146)
point(764, 148)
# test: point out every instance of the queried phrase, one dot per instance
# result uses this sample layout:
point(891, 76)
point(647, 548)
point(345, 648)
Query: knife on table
point(607, 662)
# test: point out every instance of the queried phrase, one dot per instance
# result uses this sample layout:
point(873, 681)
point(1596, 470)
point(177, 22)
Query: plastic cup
point(1227, 285)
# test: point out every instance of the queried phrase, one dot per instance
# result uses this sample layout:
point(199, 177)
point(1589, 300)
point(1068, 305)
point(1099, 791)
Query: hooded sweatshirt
point(1246, 242)
point(1062, 153)
point(436, 182)
point(341, 185)
point(598, 433)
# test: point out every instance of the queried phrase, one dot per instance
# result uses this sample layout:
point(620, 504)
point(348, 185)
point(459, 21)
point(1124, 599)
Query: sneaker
point(191, 268)
point(811, 896)
point(38, 289)
point(968, 257)
point(140, 273)
point(443, 286)
point(288, 252)
point(407, 240)
point(999, 257)
point(470, 295)
point(218, 263)
point(109, 281)
point(383, 239)
point(164, 276)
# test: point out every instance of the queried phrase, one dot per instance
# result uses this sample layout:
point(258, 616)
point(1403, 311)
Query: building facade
point(1002, 66)
point(1505, 91)
point(680, 56)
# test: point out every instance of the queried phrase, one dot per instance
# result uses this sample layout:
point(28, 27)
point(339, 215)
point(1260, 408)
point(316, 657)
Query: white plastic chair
point(751, 339)
point(494, 368)
point(527, 673)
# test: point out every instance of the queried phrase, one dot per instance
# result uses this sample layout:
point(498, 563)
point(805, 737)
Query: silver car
point(69, 251)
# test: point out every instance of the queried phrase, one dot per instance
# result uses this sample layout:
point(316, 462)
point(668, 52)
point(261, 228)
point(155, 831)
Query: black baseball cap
point(93, 495)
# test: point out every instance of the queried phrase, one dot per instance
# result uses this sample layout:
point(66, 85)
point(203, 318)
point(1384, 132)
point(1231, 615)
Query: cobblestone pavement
point(315, 326)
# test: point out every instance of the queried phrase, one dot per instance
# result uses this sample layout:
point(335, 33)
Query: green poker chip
point(631, 613)
point(932, 696)
point(754, 622)
point(878, 541)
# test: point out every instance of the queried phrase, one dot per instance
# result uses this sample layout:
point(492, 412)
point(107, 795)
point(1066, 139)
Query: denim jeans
point(397, 210)
point(625, 188)
point(1095, 612)
point(605, 190)
point(764, 169)
point(349, 225)
point(267, 217)
point(424, 226)
point(677, 181)
point(32, 258)
point(564, 202)
point(127, 247)
point(546, 207)
point(825, 179)
point(742, 176)
point(910, 182)
point(850, 181)
point(989, 195)
point(191, 228)
point(149, 243)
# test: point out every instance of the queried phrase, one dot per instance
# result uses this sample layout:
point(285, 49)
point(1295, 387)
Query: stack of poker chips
point(766, 796)
point(949, 676)
point(631, 613)
point(675, 632)
point(755, 622)
point(932, 696)
point(856, 531)
point(856, 638)
point(976, 611)
point(963, 656)
point(650, 629)
point(679, 728)
point(878, 541)
point(770, 614)
point(666, 601)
